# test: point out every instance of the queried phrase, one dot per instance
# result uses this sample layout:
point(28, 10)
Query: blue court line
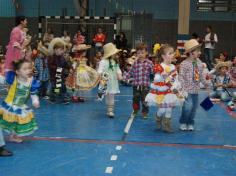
point(154, 144)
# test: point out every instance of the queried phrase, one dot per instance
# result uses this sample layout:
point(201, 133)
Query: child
point(140, 72)
point(58, 70)
point(190, 76)
point(15, 116)
point(221, 82)
point(162, 93)
point(233, 72)
point(96, 60)
point(223, 57)
point(109, 66)
point(82, 77)
point(41, 67)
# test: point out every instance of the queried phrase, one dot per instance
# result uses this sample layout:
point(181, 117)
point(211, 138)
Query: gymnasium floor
point(79, 140)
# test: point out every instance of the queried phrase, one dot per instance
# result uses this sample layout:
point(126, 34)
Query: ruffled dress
point(15, 116)
point(161, 89)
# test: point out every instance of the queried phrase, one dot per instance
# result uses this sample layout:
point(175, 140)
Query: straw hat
point(133, 51)
point(191, 45)
point(80, 47)
point(42, 49)
point(109, 50)
point(222, 64)
point(55, 41)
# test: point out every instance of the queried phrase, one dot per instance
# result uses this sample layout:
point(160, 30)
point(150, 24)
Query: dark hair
point(209, 27)
point(195, 35)
point(141, 46)
point(17, 64)
point(19, 19)
point(124, 36)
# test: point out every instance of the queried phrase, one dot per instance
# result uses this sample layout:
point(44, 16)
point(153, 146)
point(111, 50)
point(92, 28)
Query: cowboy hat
point(42, 49)
point(80, 47)
point(191, 45)
point(222, 64)
point(109, 50)
point(55, 41)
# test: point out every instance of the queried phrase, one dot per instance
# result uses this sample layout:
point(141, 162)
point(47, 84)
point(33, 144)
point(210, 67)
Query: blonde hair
point(163, 50)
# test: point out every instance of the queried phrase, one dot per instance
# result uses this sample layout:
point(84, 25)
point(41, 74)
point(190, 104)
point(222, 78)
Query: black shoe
point(4, 152)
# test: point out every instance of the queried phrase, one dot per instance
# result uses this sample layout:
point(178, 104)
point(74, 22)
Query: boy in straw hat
point(109, 67)
point(42, 70)
point(221, 82)
point(59, 70)
point(190, 76)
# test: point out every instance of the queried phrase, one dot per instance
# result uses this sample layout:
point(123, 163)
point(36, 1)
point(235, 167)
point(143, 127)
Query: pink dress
point(13, 53)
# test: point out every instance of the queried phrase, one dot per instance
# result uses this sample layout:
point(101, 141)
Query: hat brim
point(222, 64)
point(193, 48)
point(74, 49)
point(111, 53)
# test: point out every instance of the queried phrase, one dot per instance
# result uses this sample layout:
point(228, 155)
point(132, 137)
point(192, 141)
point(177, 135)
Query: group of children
point(55, 75)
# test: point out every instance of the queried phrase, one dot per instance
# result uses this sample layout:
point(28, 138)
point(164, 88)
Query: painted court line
point(152, 144)
point(114, 157)
point(109, 170)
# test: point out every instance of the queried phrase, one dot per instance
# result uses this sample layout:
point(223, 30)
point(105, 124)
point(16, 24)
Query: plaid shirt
point(186, 76)
point(140, 72)
point(42, 71)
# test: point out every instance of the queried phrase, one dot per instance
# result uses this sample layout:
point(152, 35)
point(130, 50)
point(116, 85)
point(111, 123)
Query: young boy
point(59, 70)
point(42, 71)
point(190, 76)
point(140, 72)
point(221, 82)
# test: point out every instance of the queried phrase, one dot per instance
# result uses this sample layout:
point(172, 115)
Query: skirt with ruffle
point(17, 120)
point(162, 101)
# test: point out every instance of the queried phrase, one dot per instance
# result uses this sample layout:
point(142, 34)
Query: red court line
point(231, 113)
point(195, 146)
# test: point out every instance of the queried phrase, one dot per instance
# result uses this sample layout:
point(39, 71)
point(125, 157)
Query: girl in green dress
point(15, 116)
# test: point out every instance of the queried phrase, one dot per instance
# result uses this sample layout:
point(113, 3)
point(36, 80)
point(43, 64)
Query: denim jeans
point(209, 58)
point(220, 94)
point(2, 142)
point(189, 109)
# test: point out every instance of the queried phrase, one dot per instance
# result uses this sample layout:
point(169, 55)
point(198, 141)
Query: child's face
point(234, 60)
point(168, 56)
point(99, 54)
point(25, 71)
point(196, 53)
point(59, 51)
point(222, 57)
point(142, 54)
point(223, 70)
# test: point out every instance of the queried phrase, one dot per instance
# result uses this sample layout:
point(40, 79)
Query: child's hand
point(36, 104)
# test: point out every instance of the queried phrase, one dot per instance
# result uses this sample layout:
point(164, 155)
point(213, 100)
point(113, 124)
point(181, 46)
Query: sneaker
point(145, 115)
point(65, 102)
point(110, 114)
point(46, 97)
point(134, 113)
point(4, 152)
point(183, 127)
point(190, 128)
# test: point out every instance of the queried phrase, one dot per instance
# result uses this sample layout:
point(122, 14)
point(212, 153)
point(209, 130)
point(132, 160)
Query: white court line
point(109, 170)
point(114, 157)
point(129, 123)
point(118, 147)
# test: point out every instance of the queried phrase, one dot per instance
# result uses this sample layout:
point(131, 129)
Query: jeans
point(209, 58)
point(139, 94)
point(220, 94)
point(2, 142)
point(189, 109)
point(43, 90)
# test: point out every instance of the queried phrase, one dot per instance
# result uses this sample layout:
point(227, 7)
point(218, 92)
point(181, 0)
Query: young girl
point(15, 116)
point(82, 77)
point(110, 66)
point(233, 72)
point(163, 93)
